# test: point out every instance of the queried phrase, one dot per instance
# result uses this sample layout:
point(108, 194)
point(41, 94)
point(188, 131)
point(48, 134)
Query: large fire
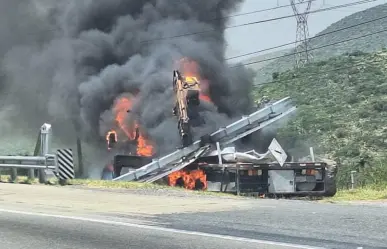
point(130, 127)
point(190, 69)
point(195, 179)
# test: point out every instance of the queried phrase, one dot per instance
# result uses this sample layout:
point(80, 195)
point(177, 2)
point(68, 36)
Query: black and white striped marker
point(65, 164)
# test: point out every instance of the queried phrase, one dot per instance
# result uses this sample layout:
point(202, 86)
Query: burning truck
point(129, 139)
point(128, 136)
point(227, 170)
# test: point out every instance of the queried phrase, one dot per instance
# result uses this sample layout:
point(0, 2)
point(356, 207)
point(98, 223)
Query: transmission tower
point(302, 53)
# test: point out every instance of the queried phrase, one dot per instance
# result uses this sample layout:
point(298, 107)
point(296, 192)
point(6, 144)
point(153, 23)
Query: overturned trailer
point(267, 174)
point(246, 173)
point(202, 165)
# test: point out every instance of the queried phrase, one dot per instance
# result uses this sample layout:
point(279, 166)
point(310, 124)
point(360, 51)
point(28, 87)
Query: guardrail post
point(353, 172)
point(45, 140)
point(31, 174)
point(42, 176)
point(311, 151)
point(13, 175)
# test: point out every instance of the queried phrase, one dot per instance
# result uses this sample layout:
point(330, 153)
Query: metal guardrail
point(60, 164)
point(30, 163)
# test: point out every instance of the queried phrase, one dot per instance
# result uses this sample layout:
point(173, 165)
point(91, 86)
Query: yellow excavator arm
point(186, 90)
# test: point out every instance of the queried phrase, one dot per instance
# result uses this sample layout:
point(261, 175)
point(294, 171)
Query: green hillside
point(342, 112)
point(265, 58)
point(370, 43)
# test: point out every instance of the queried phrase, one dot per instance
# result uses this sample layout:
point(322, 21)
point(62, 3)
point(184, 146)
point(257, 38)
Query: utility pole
point(302, 53)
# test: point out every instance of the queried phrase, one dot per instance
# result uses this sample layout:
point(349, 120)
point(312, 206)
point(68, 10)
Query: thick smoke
point(92, 51)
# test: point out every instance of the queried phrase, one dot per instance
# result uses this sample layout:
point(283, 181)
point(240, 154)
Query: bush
point(275, 75)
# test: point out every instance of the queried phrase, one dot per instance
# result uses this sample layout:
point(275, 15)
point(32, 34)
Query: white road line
point(162, 229)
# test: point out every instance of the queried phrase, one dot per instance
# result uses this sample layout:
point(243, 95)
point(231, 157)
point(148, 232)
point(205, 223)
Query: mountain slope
point(342, 112)
point(370, 43)
point(265, 58)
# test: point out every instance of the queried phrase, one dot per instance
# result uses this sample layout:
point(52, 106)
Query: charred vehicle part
point(180, 158)
point(186, 90)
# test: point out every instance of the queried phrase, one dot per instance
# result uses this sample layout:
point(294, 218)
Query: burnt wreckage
point(204, 165)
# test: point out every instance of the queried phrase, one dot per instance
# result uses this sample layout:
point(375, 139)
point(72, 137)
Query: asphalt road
point(298, 222)
point(32, 230)
point(77, 218)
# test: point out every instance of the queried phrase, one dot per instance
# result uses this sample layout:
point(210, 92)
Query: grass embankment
point(370, 193)
point(101, 184)
point(20, 179)
point(116, 184)
point(88, 183)
point(136, 185)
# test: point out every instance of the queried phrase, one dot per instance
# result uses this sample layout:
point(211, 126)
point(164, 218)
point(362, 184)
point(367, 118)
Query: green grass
point(116, 184)
point(369, 193)
point(136, 185)
point(20, 179)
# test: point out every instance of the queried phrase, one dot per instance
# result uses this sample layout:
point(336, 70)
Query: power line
point(316, 36)
point(261, 21)
point(258, 11)
point(316, 48)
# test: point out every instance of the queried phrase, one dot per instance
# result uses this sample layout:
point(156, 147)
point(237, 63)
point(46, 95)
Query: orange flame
point(189, 180)
point(144, 147)
point(121, 108)
point(121, 111)
point(190, 68)
point(108, 137)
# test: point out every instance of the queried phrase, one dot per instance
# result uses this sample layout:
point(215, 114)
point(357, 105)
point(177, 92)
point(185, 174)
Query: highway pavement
point(21, 231)
point(61, 217)
point(297, 222)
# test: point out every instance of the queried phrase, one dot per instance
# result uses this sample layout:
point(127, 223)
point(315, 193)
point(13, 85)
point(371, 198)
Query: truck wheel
point(330, 184)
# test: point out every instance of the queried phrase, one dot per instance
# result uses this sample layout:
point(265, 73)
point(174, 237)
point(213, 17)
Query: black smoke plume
point(93, 51)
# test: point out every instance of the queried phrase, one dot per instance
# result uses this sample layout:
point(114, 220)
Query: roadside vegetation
point(342, 113)
point(368, 193)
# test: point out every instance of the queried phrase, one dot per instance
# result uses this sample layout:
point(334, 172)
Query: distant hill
point(342, 112)
point(257, 66)
point(367, 44)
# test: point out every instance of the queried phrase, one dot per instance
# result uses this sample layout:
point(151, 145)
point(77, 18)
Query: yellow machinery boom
point(186, 91)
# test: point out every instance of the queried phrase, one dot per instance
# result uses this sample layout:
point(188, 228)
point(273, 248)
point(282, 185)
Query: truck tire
point(330, 184)
point(330, 177)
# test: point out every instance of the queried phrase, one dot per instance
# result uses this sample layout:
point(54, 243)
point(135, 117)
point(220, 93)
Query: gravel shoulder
point(82, 199)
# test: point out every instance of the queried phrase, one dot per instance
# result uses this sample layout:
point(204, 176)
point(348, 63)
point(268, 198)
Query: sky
point(265, 35)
